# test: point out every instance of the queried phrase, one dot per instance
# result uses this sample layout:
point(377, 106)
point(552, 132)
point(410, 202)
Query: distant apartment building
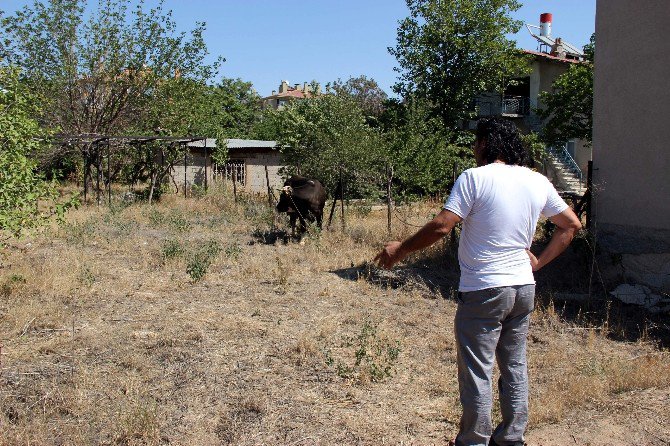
point(287, 93)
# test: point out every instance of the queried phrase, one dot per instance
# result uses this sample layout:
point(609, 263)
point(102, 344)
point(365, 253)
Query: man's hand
point(533, 260)
point(431, 232)
point(390, 255)
point(567, 225)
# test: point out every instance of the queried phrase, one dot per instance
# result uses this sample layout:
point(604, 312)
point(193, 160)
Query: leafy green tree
point(326, 137)
point(183, 106)
point(26, 199)
point(568, 108)
point(100, 70)
point(420, 149)
point(99, 73)
point(449, 51)
point(366, 92)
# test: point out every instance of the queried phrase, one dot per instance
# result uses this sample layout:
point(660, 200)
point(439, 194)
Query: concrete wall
point(548, 71)
point(583, 155)
point(631, 147)
point(255, 171)
point(195, 170)
point(631, 142)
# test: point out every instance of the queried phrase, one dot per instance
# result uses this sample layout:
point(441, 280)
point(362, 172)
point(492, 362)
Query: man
point(499, 203)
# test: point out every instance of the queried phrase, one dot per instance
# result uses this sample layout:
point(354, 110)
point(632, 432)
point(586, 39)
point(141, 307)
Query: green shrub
point(233, 251)
point(171, 249)
point(156, 218)
point(23, 191)
point(202, 259)
point(178, 222)
point(374, 356)
point(78, 233)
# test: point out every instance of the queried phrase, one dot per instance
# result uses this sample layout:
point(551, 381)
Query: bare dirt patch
point(192, 322)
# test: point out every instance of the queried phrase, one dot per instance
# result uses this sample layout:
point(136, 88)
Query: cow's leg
point(319, 219)
point(303, 225)
point(292, 217)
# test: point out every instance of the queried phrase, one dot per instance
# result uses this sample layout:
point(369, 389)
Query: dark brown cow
point(302, 199)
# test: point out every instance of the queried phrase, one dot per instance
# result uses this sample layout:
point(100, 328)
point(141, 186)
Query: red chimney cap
point(546, 17)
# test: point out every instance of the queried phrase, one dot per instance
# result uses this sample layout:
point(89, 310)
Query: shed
point(251, 163)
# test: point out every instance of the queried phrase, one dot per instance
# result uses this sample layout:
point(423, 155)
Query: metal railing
point(515, 105)
point(507, 105)
point(561, 154)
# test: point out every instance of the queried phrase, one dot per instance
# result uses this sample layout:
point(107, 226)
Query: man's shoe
point(518, 443)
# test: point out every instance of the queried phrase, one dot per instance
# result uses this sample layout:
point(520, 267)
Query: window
point(232, 169)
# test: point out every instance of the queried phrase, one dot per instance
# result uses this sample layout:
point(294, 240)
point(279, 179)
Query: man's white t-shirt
point(500, 205)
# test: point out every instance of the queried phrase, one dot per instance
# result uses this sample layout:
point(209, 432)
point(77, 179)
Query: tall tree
point(22, 189)
point(366, 92)
point(100, 72)
point(420, 149)
point(183, 106)
point(568, 111)
point(327, 137)
point(449, 51)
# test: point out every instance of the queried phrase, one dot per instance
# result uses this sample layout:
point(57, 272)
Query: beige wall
point(195, 170)
point(255, 172)
point(549, 71)
point(631, 136)
point(583, 154)
point(543, 76)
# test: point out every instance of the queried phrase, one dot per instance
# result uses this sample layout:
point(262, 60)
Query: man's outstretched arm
point(431, 232)
point(567, 225)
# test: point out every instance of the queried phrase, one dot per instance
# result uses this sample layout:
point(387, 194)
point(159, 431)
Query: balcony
point(510, 106)
point(515, 106)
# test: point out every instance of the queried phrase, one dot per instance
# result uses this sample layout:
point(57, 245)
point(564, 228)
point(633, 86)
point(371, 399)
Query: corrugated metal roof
point(208, 142)
point(250, 144)
point(236, 144)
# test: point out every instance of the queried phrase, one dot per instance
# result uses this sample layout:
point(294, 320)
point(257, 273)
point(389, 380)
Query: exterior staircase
point(564, 173)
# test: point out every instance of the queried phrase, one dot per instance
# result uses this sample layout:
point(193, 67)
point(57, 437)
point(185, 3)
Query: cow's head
point(284, 204)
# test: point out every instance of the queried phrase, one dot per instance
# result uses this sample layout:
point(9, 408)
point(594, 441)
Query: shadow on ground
point(270, 236)
point(434, 273)
point(570, 284)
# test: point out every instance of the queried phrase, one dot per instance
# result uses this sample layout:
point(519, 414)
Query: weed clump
point(171, 249)
point(202, 259)
point(374, 356)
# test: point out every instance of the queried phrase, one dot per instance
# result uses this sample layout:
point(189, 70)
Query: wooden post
point(109, 174)
point(589, 191)
point(85, 175)
point(234, 183)
point(205, 163)
point(332, 208)
point(185, 152)
point(267, 182)
point(389, 201)
point(452, 234)
point(98, 169)
point(342, 200)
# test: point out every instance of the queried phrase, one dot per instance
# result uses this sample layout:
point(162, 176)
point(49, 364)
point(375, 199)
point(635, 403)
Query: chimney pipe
point(545, 24)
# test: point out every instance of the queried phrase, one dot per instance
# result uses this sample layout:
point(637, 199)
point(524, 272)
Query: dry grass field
point(190, 323)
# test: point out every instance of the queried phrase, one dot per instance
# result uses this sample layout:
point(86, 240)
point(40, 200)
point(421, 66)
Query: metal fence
point(232, 170)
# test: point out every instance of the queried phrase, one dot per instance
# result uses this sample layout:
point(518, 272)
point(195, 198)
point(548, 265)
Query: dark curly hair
point(502, 141)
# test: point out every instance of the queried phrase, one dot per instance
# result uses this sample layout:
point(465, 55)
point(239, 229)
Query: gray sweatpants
point(493, 324)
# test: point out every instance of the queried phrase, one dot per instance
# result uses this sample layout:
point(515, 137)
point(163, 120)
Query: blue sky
point(265, 41)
